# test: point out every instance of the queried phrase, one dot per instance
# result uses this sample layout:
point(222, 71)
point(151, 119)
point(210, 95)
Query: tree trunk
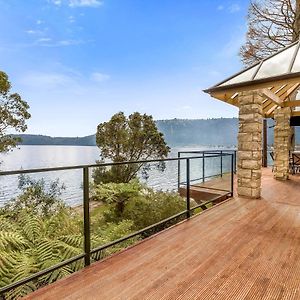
point(297, 22)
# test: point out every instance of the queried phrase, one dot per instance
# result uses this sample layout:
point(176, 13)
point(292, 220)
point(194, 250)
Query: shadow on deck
point(239, 249)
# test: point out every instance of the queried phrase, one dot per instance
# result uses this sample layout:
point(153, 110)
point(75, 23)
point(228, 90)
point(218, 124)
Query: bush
point(36, 198)
point(153, 207)
point(133, 201)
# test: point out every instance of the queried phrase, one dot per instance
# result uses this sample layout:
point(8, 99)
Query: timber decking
point(240, 249)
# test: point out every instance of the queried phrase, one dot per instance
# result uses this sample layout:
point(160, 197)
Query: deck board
point(241, 249)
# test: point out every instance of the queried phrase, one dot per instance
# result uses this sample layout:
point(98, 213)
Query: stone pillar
point(282, 142)
point(292, 139)
point(250, 144)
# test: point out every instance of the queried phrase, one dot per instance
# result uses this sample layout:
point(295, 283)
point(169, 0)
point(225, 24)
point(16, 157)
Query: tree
point(272, 24)
point(13, 114)
point(128, 139)
point(36, 197)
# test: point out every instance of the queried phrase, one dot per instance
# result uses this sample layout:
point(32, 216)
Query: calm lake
point(30, 157)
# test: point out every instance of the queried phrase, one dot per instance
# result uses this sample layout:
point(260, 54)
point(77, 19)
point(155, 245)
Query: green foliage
point(117, 193)
point(29, 244)
point(36, 197)
point(140, 204)
point(39, 232)
point(127, 139)
point(153, 207)
point(13, 114)
point(34, 238)
point(109, 232)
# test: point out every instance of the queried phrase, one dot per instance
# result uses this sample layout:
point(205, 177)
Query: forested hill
point(178, 132)
point(212, 132)
point(181, 132)
point(32, 139)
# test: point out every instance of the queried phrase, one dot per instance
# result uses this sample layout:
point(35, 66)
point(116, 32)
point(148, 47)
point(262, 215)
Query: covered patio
point(265, 90)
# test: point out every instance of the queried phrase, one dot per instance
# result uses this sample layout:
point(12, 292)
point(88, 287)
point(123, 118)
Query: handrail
point(86, 207)
point(41, 170)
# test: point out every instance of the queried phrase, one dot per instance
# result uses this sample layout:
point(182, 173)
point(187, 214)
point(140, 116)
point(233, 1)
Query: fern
point(29, 244)
point(31, 226)
point(11, 240)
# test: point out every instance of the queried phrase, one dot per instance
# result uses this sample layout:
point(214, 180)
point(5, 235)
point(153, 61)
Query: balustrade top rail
point(105, 164)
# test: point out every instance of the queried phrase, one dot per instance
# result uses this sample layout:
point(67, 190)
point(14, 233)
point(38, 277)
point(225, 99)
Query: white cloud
point(69, 42)
point(56, 2)
point(78, 3)
point(87, 3)
point(31, 31)
point(46, 80)
point(42, 40)
point(233, 8)
point(99, 77)
point(232, 47)
point(71, 19)
point(62, 79)
point(48, 42)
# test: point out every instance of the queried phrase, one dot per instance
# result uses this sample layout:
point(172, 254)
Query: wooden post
point(265, 144)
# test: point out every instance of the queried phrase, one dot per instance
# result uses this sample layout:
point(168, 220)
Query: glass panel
point(245, 76)
point(296, 66)
point(276, 65)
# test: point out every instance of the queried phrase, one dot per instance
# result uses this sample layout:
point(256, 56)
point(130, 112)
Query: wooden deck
point(240, 249)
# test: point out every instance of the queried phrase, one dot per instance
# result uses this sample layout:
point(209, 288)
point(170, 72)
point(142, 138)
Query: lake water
point(30, 157)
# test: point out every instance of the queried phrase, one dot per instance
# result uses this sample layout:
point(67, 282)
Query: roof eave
point(252, 83)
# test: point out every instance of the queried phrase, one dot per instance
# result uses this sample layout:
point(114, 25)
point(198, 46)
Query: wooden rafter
point(292, 89)
point(279, 92)
point(272, 97)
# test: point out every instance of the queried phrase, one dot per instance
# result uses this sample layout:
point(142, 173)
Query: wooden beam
point(292, 89)
point(272, 97)
point(292, 103)
point(296, 113)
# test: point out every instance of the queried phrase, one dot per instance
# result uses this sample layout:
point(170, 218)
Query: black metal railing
point(205, 155)
point(88, 252)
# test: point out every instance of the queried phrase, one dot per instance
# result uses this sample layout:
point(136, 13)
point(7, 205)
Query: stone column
point(282, 142)
point(250, 144)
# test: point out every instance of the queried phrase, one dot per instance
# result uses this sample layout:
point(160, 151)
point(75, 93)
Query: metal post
point(265, 145)
point(178, 169)
point(86, 216)
point(203, 163)
point(232, 176)
point(221, 163)
point(234, 161)
point(188, 199)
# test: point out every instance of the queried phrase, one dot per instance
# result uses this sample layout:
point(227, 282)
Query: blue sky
point(77, 62)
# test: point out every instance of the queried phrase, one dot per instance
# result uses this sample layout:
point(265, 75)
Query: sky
point(77, 62)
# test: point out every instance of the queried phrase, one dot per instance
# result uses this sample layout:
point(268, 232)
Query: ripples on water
point(30, 157)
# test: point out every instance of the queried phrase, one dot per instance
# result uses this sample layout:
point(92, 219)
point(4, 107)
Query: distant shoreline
point(219, 132)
